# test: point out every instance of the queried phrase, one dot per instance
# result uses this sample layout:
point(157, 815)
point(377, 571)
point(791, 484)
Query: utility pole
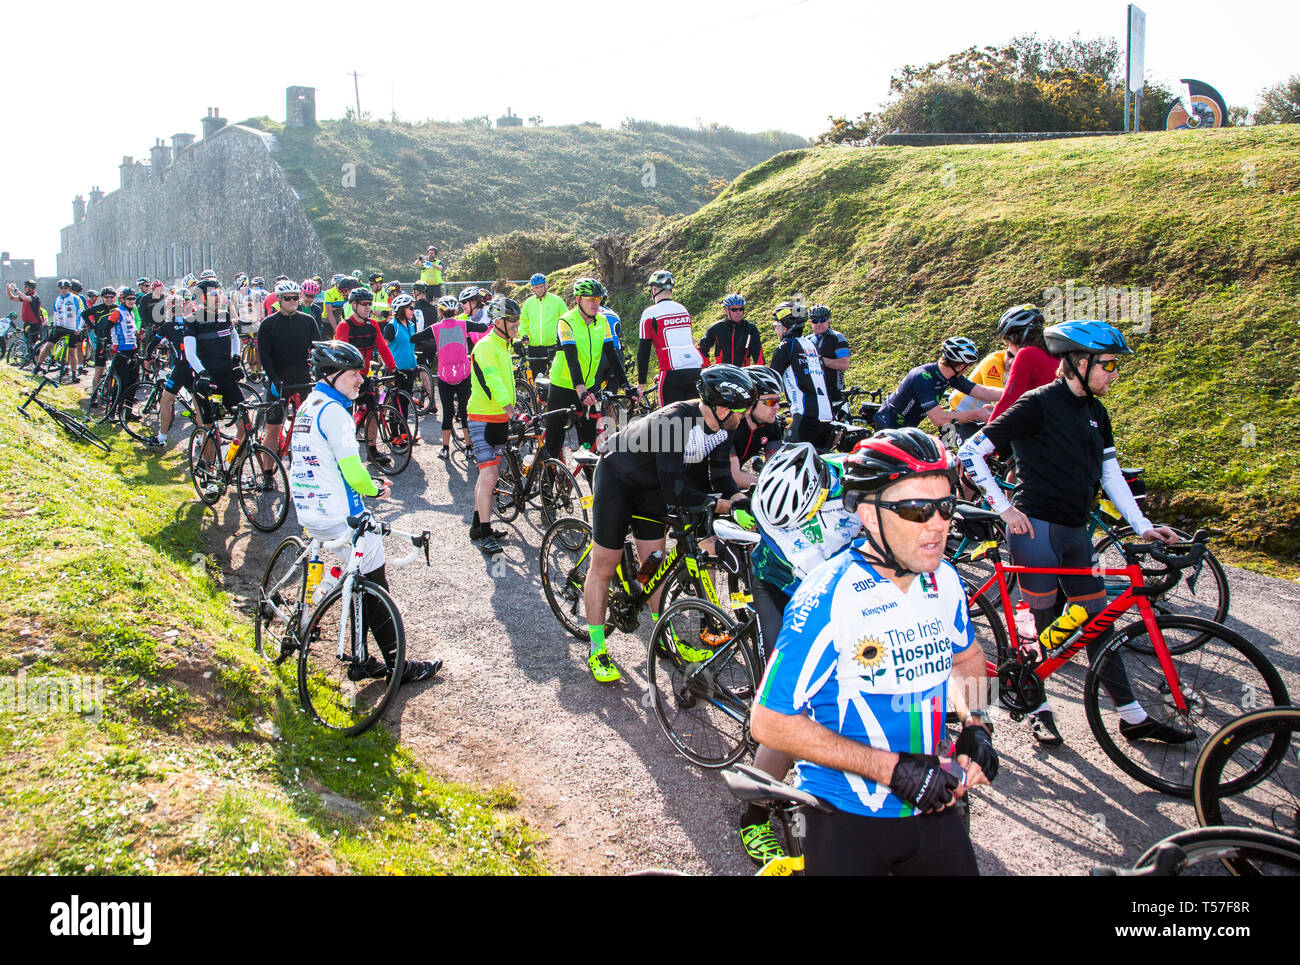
point(357, 90)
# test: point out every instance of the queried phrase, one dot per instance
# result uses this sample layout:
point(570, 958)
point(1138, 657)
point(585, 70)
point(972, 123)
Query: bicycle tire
point(280, 606)
point(424, 390)
point(1261, 748)
point(406, 403)
point(559, 493)
point(76, 429)
point(395, 437)
point(1209, 600)
point(19, 353)
point(506, 496)
point(1244, 852)
point(703, 706)
point(328, 696)
point(525, 397)
point(1220, 675)
point(564, 573)
point(266, 507)
point(142, 430)
point(202, 473)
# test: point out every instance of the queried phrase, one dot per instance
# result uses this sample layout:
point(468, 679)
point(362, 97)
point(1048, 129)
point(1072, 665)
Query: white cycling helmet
point(287, 287)
point(401, 301)
point(792, 487)
point(960, 351)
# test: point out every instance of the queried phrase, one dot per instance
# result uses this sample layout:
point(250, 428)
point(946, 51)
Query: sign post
point(1135, 72)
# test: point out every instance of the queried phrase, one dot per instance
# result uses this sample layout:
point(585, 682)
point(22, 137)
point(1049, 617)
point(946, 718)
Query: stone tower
point(300, 106)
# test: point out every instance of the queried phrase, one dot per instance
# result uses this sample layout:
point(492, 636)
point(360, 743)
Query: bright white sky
point(749, 64)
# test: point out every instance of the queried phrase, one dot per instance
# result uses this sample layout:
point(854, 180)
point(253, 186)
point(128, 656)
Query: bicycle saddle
point(731, 533)
point(748, 783)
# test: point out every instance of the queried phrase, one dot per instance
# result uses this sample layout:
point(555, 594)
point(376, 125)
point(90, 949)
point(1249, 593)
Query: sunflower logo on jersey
point(870, 654)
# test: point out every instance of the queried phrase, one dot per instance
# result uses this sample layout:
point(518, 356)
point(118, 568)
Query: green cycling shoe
point(760, 843)
point(602, 667)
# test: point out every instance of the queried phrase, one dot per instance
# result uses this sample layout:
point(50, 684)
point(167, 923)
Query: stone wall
point(222, 203)
point(930, 140)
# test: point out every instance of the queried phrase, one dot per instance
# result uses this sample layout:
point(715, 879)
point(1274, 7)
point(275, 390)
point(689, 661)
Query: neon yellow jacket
point(538, 317)
point(491, 363)
point(588, 339)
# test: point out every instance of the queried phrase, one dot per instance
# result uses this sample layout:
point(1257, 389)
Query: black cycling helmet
point(75, 285)
point(108, 292)
point(361, 294)
point(765, 379)
point(726, 385)
point(502, 307)
point(1019, 320)
point(419, 288)
point(64, 283)
point(346, 284)
point(332, 357)
point(819, 313)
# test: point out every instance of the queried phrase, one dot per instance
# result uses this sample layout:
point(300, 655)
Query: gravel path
point(595, 773)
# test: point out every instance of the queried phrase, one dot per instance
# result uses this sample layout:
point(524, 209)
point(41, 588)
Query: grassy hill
point(199, 759)
point(450, 184)
point(910, 245)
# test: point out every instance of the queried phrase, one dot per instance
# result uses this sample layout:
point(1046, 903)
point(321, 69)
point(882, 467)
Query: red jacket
point(367, 338)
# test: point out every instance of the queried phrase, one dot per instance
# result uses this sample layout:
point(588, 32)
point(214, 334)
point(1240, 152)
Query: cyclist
point(452, 342)
point(834, 350)
point(284, 343)
point(1023, 325)
point(472, 305)
point(171, 329)
point(125, 367)
point(333, 301)
point(666, 327)
point(798, 505)
point(799, 364)
point(1061, 436)
point(540, 323)
point(363, 332)
point(212, 350)
point(33, 321)
point(735, 340)
point(148, 310)
point(65, 324)
point(491, 409)
point(95, 318)
point(310, 288)
point(761, 430)
point(327, 481)
point(857, 689)
point(918, 395)
point(585, 341)
point(431, 272)
point(399, 331)
point(676, 456)
point(270, 304)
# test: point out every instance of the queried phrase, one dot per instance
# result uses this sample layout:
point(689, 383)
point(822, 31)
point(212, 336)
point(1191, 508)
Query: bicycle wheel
point(19, 353)
point(525, 397)
point(281, 598)
point(394, 437)
point(1249, 773)
point(565, 556)
point(406, 403)
point(263, 494)
point(505, 498)
point(1220, 679)
point(326, 692)
point(203, 472)
point(424, 391)
point(77, 430)
point(1204, 594)
point(560, 496)
point(702, 706)
point(1246, 852)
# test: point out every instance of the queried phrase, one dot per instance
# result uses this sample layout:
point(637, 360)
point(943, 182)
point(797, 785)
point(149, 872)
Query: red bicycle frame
point(1095, 626)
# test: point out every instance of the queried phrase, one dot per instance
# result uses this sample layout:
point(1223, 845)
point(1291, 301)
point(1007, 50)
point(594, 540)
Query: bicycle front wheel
point(77, 430)
point(281, 598)
point(395, 436)
point(205, 472)
point(702, 704)
point(565, 556)
point(1249, 773)
point(1202, 593)
point(1221, 678)
point(325, 683)
point(1246, 852)
point(560, 496)
point(263, 493)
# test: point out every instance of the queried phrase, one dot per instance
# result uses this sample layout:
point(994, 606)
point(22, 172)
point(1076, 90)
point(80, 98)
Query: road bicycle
point(334, 629)
point(69, 424)
point(528, 475)
point(1248, 774)
point(1246, 852)
point(393, 432)
point(1186, 671)
point(258, 474)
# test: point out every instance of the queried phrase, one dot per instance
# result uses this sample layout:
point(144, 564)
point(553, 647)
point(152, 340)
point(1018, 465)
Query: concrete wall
point(223, 203)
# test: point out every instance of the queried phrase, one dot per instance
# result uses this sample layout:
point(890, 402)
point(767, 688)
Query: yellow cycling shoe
point(602, 667)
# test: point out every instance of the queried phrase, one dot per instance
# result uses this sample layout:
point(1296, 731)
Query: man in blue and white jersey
point(327, 481)
point(65, 322)
point(857, 691)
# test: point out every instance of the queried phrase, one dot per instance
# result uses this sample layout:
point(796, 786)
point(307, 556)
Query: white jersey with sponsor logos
point(667, 324)
point(871, 663)
point(323, 434)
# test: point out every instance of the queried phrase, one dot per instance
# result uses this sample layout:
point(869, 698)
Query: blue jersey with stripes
point(871, 663)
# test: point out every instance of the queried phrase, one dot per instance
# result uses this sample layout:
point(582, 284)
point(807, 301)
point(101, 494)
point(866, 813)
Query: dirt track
point(597, 777)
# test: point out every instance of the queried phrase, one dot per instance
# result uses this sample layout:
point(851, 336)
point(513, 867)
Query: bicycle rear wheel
point(205, 471)
point(263, 494)
point(525, 397)
point(702, 706)
point(565, 556)
point(333, 700)
point(1249, 773)
point(281, 599)
point(1220, 679)
point(505, 498)
point(395, 436)
point(76, 429)
point(424, 391)
point(1245, 852)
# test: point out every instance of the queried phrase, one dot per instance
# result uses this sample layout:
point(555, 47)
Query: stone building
point(219, 202)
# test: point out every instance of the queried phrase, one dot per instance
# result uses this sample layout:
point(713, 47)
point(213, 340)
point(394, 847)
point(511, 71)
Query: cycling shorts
point(181, 376)
point(275, 415)
point(101, 352)
point(616, 506)
point(841, 843)
point(56, 332)
point(484, 436)
point(677, 385)
point(1053, 545)
point(226, 386)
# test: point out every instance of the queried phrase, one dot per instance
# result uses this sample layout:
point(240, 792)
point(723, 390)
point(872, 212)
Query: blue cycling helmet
point(1085, 335)
point(537, 279)
point(734, 300)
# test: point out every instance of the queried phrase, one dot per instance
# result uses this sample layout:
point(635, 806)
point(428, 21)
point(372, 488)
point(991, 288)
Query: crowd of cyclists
point(849, 576)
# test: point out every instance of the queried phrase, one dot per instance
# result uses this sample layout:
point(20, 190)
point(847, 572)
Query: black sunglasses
point(288, 298)
point(921, 510)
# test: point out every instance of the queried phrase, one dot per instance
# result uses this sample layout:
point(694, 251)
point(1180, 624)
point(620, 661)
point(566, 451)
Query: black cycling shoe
point(382, 461)
point(372, 669)
point(490, 545)
point(417, 670)
point(1045, 732)
point(1155, 730)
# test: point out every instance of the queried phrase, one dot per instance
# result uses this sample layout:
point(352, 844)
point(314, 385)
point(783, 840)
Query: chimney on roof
point(96, 195)
point(78, 209)
point(160, 155)
point(126, 167)
point(179, 143)
point(213, 122)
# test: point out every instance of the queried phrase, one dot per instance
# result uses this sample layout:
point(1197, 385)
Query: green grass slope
point(200, 759)
point(450, 184)
point(910, 245)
